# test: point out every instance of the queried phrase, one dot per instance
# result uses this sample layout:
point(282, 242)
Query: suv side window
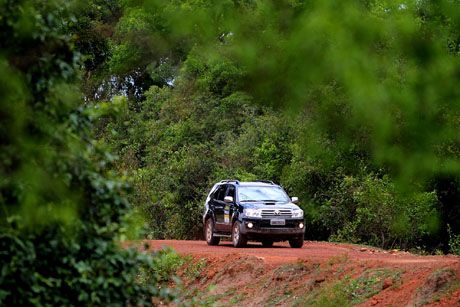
point(231, 191)
point(220, 193)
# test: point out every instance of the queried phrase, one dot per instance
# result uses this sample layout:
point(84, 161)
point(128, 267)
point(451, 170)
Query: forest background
point(117, 117)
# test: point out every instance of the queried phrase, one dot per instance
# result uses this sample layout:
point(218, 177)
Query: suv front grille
point(273, 213)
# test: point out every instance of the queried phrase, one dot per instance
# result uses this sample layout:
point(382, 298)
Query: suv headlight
point(297, 213)
point(252, 212)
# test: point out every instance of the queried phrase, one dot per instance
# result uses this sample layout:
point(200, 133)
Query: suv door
point(218, 206)
point(228, 209)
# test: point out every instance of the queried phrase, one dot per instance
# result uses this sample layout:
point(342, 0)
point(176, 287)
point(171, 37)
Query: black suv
point(258, 211)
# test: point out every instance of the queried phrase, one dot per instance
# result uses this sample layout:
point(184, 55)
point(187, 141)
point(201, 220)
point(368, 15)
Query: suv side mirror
point(228, 199)
point(295, 199)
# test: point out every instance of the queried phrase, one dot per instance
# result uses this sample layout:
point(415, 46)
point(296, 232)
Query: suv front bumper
point(261, 228)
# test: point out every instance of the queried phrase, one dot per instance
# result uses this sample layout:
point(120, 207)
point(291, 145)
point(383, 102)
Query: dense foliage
point(369, 137)
point(63, 208)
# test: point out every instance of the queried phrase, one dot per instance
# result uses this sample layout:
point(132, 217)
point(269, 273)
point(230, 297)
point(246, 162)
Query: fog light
point(301, 225)
point(250, 225)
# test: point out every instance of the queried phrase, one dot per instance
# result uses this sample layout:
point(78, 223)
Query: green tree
point(368, 89)
point(63, 209)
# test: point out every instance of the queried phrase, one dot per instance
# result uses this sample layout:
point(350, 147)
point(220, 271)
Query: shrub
point(378, 214)
point(63, 209)
point(454, 241)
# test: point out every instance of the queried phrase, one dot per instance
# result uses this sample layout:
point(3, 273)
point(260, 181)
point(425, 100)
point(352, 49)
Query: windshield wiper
point(271, 200)
point(250, 200)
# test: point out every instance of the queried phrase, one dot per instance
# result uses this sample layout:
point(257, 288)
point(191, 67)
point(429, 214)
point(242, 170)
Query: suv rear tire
point(238, 239)
point(209, 233)
point(296, 242)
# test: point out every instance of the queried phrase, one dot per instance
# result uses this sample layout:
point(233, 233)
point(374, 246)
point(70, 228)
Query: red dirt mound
point(316, 274)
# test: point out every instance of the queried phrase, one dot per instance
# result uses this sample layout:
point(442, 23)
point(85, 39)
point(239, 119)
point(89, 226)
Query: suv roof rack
point(230, 180)
point(265, 181)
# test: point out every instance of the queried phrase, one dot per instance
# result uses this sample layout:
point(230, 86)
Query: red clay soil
point(285, 276)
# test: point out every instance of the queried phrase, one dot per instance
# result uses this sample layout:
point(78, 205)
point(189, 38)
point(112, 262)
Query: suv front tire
point(296, 242)
point(238, 239)
point(209, 233)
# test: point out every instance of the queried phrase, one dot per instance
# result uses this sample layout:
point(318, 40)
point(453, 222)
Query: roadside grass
point(277, 299)
point(238, 298)
point(340, 259)
point(194, 269)
point(292, 271)
point(439, 284)
point(217, 297)
point(174, 269)
point(166, 263)
point(330, 295)
point(199, 297)
point(348, 291)
point(227, 298)
point(372, 282)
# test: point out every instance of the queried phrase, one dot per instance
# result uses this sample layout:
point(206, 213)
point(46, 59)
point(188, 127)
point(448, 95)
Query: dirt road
point(318, 273)
point(281, 252)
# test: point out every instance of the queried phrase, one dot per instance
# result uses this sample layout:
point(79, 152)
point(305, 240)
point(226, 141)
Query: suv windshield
point(261, 193)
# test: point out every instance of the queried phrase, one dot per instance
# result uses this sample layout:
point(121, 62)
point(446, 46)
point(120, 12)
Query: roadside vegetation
point(117, 116)
point(338, 281)
point(350, 114)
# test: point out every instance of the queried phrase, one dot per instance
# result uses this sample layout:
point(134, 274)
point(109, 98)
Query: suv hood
point(263, 205)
